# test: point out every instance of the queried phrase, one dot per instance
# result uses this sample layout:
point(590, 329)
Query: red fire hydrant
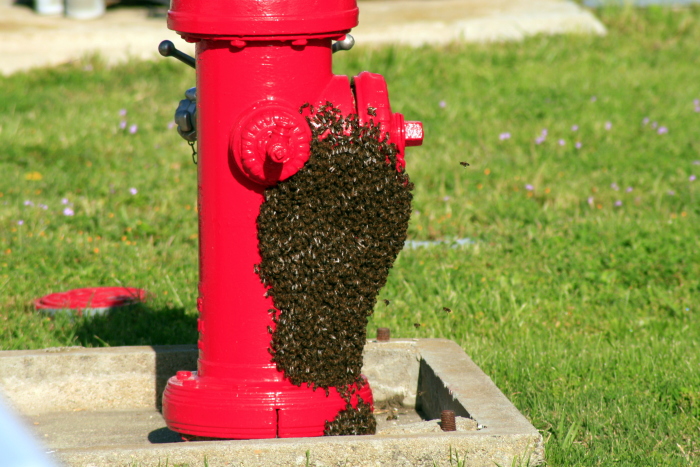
point(258, 63)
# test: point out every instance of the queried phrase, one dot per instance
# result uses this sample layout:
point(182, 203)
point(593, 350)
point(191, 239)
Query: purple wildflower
point(614, 186)
point(20, 222)
point(671, 192)
point(44, 207)
point(574, 128)
point(28, 203)
point(691, 178)
point(540, 139)
point(529, 187)
point(645, 121)
point(446, 198)
point(662, 130)
point(696, 102)
point(122, 112)
point(654, 125)
point(608, 126)
point(65, 201)
point(594, 98)
point(68, 212)
point(629, 189)
point(442, 104)
point(133, 191)
point(578, 145)
point(618, 203)
point(171, 125)
point(562, 142)
point(133, 129)
point(696, 162)
point(590, 201)
point(544, 132)
point(122, 125)
point(504, 136)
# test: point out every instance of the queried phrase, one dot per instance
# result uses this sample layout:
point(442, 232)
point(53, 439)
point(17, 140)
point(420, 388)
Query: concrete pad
point(30, 40)
point(418, 22)
point(98, 407)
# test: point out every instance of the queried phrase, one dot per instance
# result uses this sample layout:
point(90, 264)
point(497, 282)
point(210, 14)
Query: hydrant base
point(276, 409)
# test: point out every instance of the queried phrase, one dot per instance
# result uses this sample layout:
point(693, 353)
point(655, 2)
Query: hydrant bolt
point(343, 44)
point(183, 375)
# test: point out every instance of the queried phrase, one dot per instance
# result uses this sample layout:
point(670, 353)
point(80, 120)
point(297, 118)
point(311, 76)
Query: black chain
point(194, 152)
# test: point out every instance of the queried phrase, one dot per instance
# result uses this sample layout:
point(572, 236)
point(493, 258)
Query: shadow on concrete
point(164, 436)
point(140, 324)
point(434, 396)
point(170, 360)
point(170, 331)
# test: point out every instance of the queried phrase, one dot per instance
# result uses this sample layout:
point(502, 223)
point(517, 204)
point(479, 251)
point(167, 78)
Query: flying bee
point(464, 164)
point(444, 308)
point(416, 325)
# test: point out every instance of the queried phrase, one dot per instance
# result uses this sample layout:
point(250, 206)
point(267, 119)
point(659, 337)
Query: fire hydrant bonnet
point(262, 18)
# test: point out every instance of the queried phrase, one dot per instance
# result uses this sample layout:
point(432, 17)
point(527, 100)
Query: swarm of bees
point(350, 421)
point(328, 237)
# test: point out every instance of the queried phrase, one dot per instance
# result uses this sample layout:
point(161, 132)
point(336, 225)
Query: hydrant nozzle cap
point(414, 133)
point(255, 18)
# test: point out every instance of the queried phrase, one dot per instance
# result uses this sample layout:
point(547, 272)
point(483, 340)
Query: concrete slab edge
point(429, 450)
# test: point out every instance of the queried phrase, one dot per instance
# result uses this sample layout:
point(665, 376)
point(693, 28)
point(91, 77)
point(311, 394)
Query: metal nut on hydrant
point(303, 206)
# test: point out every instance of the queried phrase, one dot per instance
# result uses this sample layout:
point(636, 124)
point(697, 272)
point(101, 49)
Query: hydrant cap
point(262, 17)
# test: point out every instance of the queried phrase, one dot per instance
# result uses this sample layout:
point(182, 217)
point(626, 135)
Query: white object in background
point(85, 9)
point(17, 445)
point(48, 7)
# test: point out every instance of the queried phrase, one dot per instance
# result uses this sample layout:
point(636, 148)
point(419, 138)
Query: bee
point(416, 325)
point(386, 302)
point(464, 164)
point(444, 308)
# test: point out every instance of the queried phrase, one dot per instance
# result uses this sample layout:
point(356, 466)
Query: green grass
point(584, 314)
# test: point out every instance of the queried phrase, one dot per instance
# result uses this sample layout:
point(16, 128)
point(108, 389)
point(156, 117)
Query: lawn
point(579, 294)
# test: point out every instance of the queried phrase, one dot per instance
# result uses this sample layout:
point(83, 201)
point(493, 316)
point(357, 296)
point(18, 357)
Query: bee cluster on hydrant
point(303, 207)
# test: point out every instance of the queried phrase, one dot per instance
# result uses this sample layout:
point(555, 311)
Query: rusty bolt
point(447, 420)
point(383, 334)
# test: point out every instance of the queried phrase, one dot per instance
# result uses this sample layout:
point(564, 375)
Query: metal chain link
point(194, 152)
